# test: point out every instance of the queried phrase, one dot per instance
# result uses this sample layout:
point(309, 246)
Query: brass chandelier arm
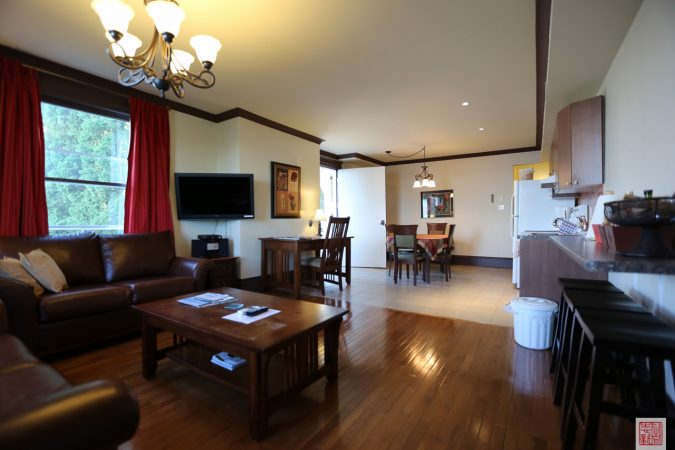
point(146, 58)
point(136, 69)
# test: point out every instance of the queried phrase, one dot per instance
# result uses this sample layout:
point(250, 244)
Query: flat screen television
point(214, 196)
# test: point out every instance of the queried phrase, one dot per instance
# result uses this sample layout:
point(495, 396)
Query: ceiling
point(365, 76)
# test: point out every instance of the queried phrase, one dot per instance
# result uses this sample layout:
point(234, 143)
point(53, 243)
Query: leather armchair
point(40, 409)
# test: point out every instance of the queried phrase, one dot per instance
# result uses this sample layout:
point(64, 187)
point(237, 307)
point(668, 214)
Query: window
point(85, 169)
point(328, 195)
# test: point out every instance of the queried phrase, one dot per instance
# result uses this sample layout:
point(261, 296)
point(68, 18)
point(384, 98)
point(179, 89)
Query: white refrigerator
point(533, 209)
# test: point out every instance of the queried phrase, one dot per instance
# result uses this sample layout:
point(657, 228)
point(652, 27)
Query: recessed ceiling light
point(481, 129)
point(465, 103)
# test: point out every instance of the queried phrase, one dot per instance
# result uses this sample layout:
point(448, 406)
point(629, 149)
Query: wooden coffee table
point(287, 343)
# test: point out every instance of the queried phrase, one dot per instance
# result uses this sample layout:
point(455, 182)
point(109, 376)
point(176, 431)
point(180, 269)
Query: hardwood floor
point(406, 381)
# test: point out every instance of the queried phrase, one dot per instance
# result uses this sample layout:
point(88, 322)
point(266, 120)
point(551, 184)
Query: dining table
point(433, 244)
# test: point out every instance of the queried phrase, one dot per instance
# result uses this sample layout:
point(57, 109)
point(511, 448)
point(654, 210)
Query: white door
point(361, 196)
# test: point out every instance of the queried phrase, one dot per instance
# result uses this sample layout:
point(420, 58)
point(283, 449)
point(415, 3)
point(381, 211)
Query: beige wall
point(258, 146)
point(193, 149)
point(482, 229)
point(242, 146)
point(639, 149)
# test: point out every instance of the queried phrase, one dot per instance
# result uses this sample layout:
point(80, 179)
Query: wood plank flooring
point(407, 381)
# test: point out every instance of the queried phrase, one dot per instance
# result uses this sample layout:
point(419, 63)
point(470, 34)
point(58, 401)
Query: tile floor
point(473, 293)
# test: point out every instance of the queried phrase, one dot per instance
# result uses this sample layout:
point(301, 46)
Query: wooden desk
point(283, 352)
point(287, 249)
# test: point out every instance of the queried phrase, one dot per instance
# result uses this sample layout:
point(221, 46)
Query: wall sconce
point(319, 216)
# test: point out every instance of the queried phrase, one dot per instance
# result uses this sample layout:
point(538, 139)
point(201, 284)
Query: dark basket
point(642, 212)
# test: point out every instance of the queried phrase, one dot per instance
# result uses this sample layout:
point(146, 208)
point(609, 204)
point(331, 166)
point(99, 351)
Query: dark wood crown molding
point(464, 156)
point(542, 30)
point(361, 157)
point(240, 112)
point(114, 88)
point(79, 76)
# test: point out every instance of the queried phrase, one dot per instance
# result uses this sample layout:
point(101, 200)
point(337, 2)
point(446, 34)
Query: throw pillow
point(44, 269)
point(12, 268)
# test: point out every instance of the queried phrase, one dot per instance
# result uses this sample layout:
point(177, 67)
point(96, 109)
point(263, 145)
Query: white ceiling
point(366, 76)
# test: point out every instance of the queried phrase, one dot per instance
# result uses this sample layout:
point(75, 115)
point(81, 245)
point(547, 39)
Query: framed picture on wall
point(437, 204)
point(285, 191)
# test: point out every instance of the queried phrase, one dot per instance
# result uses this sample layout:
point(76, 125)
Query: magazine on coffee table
point(207, 299)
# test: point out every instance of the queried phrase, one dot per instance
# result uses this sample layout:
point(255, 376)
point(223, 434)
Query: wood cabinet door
point(564, 149)
point(587, 117)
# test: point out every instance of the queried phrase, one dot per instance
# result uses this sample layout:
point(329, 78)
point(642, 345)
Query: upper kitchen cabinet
point(577, 150)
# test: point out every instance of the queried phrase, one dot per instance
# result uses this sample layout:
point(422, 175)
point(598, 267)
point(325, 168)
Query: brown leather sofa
point(106, 275)
point(40, 409)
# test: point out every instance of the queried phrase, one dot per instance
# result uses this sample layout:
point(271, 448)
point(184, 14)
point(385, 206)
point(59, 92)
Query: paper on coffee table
point(243, 318)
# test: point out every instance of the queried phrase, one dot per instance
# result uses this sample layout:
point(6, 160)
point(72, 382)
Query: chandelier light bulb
point(167, 16)
point(115, 15)
point(126, 47)
point(181, 61)
point(207, 48)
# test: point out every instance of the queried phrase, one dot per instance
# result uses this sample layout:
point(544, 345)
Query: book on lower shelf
point(227, 360)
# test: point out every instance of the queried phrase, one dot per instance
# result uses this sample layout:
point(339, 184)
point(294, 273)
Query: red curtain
point(23, 203)
point(147, 207)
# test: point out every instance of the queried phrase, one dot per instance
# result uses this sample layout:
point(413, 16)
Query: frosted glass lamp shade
point(319, 215)
point(206, 47)
point(425, 183)
point(181, 61)
point(127, 46)
point(417, 184)
point(114, 14)
point(167, 16)
point(431, 183)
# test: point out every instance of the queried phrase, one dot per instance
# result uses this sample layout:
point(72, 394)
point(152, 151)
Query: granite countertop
point(594, 257)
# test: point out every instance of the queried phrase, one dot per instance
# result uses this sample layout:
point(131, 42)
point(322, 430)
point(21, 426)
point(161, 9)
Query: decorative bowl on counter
point(642, 212)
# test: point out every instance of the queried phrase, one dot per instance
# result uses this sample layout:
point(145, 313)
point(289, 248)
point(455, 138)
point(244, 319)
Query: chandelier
point(160, 64)
point(424, 178)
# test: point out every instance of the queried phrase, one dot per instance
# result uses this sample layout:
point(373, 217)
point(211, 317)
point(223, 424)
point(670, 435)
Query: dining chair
point(436, 227)
point(406, 251)
point(444, 259)
point(328, 265)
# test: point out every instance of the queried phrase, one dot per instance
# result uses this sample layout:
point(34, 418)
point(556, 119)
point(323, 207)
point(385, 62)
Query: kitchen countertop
point(596, 257)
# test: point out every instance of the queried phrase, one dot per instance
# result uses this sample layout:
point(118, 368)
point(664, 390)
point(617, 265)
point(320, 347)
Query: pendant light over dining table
point(159, 64)
point(424, 178)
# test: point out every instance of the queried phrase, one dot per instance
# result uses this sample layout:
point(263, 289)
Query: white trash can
point(533, 321)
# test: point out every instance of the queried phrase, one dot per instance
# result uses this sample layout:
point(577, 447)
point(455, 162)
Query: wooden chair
point(444, 258)
point(328, 265)
point(436, 227)
point(406, 251)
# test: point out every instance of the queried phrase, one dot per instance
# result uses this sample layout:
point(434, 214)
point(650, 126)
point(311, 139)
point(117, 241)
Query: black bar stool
point(571, 301)
point(599, 335)
point(574, 284)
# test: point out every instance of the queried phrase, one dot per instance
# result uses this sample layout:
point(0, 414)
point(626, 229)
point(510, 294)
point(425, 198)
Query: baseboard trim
point(483, 261)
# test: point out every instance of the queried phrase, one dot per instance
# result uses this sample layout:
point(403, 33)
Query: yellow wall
point(541, 170)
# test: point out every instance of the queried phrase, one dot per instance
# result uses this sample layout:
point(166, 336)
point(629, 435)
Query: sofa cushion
point(21, 385)
point(83, 301)
point(78, 256)
point(43, 267)
point(155, 288)
point(132, 256)
point(14, 354)
point(12, 268)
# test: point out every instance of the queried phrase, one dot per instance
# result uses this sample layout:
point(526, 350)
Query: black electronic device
point(255, 310)
point(214, 196)
point(211, 247)
point(209, 236)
